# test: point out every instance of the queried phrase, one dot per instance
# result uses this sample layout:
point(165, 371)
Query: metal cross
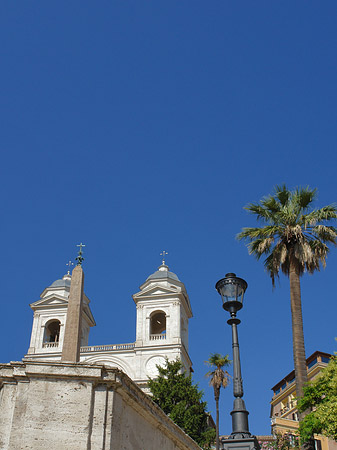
point(163, 254)
point(69, 264)
point(80, 258)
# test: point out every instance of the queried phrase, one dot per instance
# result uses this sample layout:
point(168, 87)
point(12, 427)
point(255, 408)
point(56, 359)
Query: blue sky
point(142, 126)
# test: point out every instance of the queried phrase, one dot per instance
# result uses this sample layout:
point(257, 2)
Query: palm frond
point(291, 234)
point(218, 377)
point(259, 233)
point(261, 212)
point(282, 193)
point(303, 253)
point(260, 247)
point(326, 213)
point(271, 205)
point(304, 196)
point(320, 251)
point(272, 268)
point(217, 360)
point(325, 233)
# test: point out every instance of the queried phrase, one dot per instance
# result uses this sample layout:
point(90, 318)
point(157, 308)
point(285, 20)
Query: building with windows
point(284, 414)
point(163, 313)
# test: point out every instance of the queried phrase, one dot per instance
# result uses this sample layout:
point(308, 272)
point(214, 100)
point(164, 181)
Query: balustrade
point(50, 344)
point(105, 348)
point(157, 337)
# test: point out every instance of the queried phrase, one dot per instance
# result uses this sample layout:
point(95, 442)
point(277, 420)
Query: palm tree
point(294, 239)
point(218, 378)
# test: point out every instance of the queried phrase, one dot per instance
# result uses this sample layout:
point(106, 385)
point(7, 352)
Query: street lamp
point(232, 290)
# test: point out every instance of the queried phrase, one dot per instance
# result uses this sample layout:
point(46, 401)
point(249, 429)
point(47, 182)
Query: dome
point(62, 282)
point(163, 273)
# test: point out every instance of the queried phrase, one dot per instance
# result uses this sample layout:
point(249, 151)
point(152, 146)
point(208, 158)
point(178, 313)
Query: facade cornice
point(165, 295)
point(46, 302)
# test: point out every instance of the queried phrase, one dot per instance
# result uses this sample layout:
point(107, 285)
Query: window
point(294, 416)
point(52, 331)
point(312, 363)
point(318, 444)
point(158, 323)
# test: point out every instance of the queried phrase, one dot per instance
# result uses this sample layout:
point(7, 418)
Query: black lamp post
point(232, 289)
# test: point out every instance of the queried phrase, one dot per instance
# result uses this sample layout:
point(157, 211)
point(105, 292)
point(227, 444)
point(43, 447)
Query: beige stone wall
point(65, 406)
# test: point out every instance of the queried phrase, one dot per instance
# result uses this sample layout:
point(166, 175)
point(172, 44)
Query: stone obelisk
point(72, 332)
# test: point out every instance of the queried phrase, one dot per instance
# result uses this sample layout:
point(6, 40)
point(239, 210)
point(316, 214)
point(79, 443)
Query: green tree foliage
point(294, 238)
point(218, 378)
point(320, 396)
point(181, 400)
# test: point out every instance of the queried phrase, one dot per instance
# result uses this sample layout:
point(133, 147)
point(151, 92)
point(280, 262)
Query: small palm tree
point(293, 239)
point(218, 378)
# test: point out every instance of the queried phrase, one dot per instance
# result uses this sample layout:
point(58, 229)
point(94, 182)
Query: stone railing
point(157, 337)
point(50, 344)
point(107, 348)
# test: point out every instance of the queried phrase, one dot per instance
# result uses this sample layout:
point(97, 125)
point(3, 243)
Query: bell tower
point(163, 312)
point(50, 315)
point(62, 321)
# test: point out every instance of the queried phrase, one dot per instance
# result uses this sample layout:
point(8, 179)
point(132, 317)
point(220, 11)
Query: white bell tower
point(50, 315)
point(163, 312)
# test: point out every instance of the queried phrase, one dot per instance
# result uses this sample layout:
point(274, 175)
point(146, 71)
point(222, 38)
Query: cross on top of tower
point(79, 258)
point(163, 254)
point(69, 264)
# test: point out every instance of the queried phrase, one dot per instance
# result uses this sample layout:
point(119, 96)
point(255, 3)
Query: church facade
point(163, 313)
point(65, 394)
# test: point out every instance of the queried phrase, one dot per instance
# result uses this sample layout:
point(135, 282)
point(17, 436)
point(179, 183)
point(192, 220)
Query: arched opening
point(52, 334)
point(158, 325)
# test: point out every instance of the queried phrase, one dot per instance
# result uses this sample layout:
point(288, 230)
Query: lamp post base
point(248, 443)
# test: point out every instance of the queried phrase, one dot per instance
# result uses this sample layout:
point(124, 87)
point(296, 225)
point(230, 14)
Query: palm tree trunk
point(217, 422)
point(297, 328)
point(216, 397)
